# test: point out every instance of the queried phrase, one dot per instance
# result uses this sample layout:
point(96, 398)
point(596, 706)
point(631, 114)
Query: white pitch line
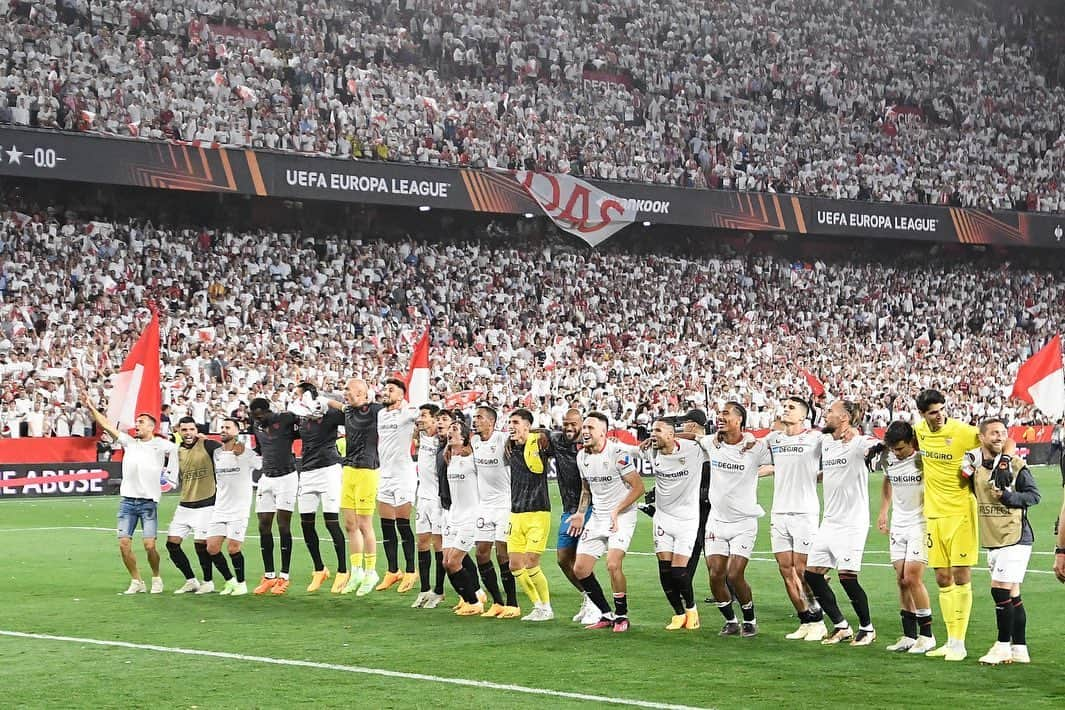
point(485, 684)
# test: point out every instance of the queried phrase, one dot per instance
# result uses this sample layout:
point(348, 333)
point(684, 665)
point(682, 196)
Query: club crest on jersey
point(625, 460)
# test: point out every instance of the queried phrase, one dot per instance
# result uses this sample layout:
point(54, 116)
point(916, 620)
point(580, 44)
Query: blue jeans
point(134, 510)
point(566, 540)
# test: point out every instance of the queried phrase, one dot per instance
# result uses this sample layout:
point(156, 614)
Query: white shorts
point(396, 492)
point(320, 484)
point(190, 521)
point(277, 493)
point(908, 544)
point(1008, 564)
point(596, 538)
point(460, 535)
point(430, 520)
point(727, 539)
point(838, 547)
point(229, 529)
point(792, 532)
point(493, 524)
point(674, 535)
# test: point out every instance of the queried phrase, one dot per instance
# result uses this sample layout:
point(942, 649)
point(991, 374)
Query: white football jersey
point(677, 477)
point(796, 463)
point(462, 480)
point(493, 472)
point(603, 472)
point(734, 479)
point(428, 485)
point(395, 431)
point(907, 490)
point(233, 475)
point(846, 480)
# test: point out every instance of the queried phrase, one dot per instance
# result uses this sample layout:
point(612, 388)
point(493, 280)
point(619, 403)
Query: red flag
point(816, 385)
point(136, 385)
point(1041, 380)
point(418, 374)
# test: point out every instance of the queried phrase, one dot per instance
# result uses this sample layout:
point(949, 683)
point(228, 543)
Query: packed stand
point(252, 314)
point(936, 101)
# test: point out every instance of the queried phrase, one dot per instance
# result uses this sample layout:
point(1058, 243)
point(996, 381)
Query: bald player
point(566, 444)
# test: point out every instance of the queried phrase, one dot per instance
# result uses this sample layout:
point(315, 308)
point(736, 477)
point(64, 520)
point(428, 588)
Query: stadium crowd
point(248, 314)
point(938, 101)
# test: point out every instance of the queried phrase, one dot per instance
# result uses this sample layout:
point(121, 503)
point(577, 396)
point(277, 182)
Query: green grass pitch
point(61, 575)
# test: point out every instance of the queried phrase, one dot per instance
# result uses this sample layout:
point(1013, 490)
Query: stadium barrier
point(59, 479)
point(35, 153)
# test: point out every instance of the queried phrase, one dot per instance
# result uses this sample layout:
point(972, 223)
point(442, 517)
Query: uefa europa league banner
point(592, 209)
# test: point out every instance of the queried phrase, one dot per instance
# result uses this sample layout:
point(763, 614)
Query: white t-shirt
point(142, 465)
point(462, 481)
point(233, 475)
point(677, 476)
point(734, 479)
point(395, 430)
point(846, 481)
point(493, 472)
point(907, 490)
point(796, 463)
point(604, 473)
point(428, 485)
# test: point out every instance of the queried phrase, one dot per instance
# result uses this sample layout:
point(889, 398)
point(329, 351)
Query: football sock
point(390, 543)
point(238, 565)
point(621, 604)
point(748, 611)
point(369, 561)
point(180, 559)
point(726, 610)
point(219, 561)
point(521, 576)
point(356, 560)
point(665, 576)
point(286, 551)
point(1020, 622)
point(490, 581)
point(406, 535)
point(266, 546)
point(947, 605)
point(438, 588)
point(510, 589)
point(924, 621)
point(858, 597)
point(332, 524)
point(1003, 614)
point(909, 623)
point(595, 593)
point(964, 601)
point(825, 597)
point(425, 565)
point(310, 536)
point(205, 561)
point(682, 582)
point(539, 581)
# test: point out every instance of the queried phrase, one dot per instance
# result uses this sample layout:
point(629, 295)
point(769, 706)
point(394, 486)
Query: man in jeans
point(144, 458)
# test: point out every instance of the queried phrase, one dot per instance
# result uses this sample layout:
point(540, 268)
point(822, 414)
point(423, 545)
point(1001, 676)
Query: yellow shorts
point(952, 542)
point(528, 532)
point(358, 490)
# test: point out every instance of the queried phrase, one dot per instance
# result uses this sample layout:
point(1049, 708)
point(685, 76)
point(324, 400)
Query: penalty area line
point(466, 682)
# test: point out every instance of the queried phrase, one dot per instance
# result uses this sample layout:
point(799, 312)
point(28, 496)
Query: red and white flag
point(578, 207)
point(136, 385)
point(463, 399)
point(1041, 380)
point(817, 387)
point(418, 374)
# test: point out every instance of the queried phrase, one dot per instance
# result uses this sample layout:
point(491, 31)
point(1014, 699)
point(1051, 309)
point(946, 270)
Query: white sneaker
point(534, 615)
point(817, 631)
point(923, 645)
point(1020, 653)
point(206, 588)
point(546, 613)
point(157, 585)
point(433, 600)
point(369, 581)
point(583, 611)
point(999, 653)
point(190, 585)
point(354, 581)
point(903, 645)
point(591, 615)
point(240, 589)
point(419, 601)
point(136, 586)
point(799, 633)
